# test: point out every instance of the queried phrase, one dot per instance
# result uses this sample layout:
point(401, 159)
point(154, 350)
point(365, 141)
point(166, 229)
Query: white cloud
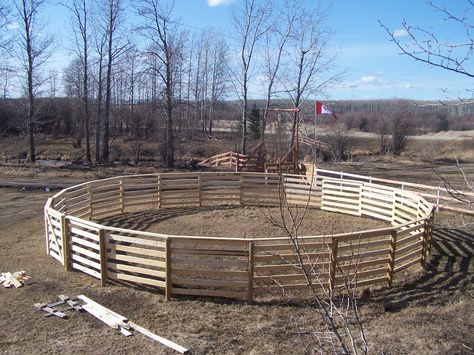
point(408, 86)
point(370, 79)
point(401, 32)
point(13, 26)
point(215, 3)
point(349, 85)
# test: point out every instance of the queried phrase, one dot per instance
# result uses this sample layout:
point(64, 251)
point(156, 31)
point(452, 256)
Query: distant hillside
point(451, 108)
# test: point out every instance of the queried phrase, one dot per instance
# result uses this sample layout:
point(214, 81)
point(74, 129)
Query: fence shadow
point(449, 272)
point(143, 220)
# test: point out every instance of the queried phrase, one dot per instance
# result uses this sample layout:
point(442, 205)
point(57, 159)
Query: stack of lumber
point(16, 279)
point(112, 319)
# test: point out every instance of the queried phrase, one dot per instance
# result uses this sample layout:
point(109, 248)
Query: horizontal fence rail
point(238, 268)
point(441, 197)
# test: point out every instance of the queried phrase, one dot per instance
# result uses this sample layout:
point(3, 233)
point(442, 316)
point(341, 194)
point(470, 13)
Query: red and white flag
point(323, 109)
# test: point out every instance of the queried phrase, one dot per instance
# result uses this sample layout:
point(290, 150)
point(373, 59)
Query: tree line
point(138, 66)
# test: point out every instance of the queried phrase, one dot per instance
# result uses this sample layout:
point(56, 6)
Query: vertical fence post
point(251, 268)
point(438, 199)
point(323, 182)
point(200, 188)
point(65, 241)
point(430, 233)
point(167, 269)
point(333, 265)
point(103, 257)
point(122, 196)
point(394, 206)
point(391, 256)
point(361, 195)
point(46, 229)
point(89, 190)
point(295, 158)
point(427, 235)
point(159, 190)
point(424, 245)
point(241, 188)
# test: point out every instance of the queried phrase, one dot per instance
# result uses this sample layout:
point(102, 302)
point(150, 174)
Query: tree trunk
point(31, 116)
point(108, 88)
point(31, 98)
point(244, 119)
point(297, 97)
point(86, 106)
point(98, 124)
point(169, 139)
point(211, 112)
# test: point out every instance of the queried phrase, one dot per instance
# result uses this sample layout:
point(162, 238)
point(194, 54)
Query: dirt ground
point(239, 222)
point(426, 311)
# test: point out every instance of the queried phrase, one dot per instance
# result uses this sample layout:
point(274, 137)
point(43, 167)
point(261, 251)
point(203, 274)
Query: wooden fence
point(441, 197)
point(230, 160)
point(238, 268)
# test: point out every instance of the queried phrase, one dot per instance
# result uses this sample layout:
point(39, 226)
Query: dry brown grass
point(424, 312)
point(428, 312)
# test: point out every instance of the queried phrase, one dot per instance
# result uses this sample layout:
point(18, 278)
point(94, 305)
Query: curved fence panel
point(238, 268)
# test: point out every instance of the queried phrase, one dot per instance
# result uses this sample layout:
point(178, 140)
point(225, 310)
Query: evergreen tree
point(255, 123)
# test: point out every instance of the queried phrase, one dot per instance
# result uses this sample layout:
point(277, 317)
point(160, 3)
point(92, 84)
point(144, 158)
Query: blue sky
point(374, 68)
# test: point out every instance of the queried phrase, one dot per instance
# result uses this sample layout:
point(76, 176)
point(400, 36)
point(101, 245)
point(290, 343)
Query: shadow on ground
point(450, 272)
point(143, 220)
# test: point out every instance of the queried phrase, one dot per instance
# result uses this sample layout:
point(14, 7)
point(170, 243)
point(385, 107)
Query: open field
point(427, 148)
point(429, 311)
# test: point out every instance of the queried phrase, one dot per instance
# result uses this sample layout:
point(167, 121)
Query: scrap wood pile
point(17, 279)
point(109, 317)
point(60, 307)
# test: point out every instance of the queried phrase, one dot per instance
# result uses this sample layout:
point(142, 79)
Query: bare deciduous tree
point(100, 41)
point(72, 77)
point(276, 41)
point(33, 48)
point(343, 331)
point(339, 143)
point(80, 10)
point(6, 68)
point(208, 60)
point(166, 46)
point(116, 45)
point(311, 60)
point(7, 73)
point(439, 49)
point(393, 128)
point(5, 17)
point(218, 75)
point(431, 48)
point(382, 127)
point(250, 22)
point(461, 192)
point(198, 86)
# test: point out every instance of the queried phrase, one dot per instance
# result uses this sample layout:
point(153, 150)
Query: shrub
point(339, 144)
point(442, 123)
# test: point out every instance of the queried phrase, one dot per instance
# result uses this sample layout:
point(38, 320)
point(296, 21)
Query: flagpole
point(315, 115)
